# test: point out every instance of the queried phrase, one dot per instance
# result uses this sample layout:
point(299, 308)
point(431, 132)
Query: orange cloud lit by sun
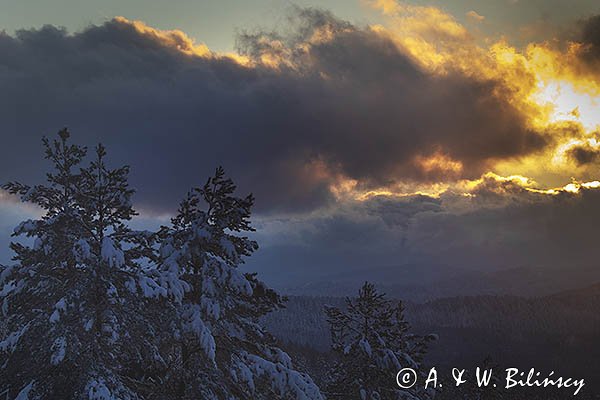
point(169, 38)
point(556, 93)
point(439, 163)
point(550, 86)
point(544, 82)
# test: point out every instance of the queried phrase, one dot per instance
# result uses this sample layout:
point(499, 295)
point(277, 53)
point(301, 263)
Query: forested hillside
point(557, 332)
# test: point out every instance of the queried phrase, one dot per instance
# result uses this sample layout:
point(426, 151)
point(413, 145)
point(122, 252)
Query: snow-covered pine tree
point(78, 323)
point(372, 341)
point(224, 352)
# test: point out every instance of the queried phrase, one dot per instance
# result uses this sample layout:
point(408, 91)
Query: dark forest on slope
point(557, 332)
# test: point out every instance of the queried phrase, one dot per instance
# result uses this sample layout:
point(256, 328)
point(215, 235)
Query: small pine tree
point(77, 326)
point(373, 344)
point(224, 352)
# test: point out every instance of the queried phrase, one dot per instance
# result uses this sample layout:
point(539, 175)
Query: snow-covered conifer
point(372, 340)
point(77, 322)
point(224, 352)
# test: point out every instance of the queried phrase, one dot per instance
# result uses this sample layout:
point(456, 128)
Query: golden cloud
point(551, 84)
point(175, 39)
point(553, 87)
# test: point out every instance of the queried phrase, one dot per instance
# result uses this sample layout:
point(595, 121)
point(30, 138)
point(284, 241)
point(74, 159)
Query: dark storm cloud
point(590, 38)
point(345, 242)
point(351, 104)
point(528, 229)
point(380, 110)
point(585, 154)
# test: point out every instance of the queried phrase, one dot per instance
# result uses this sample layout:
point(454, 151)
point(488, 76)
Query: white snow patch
point(60, 305)
point(210, 307)
point(169, 277)
point(365, 346)
point(6, 272)
point(284, 381)
point(82, 251)
point(196, 325)
point(97, 390)
point(25, 227)
point(131, 286)
point(59, 348)
point(24, 393)
point(12, 339)
point(88, 324)
point(111, 253)
point(7, 288)
point(38, 243)
point(150, 288)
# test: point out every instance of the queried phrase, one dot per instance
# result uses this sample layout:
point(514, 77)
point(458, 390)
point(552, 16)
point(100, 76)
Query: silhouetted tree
point(224, 352)
point(94, 310)
point(78, 323)
point(372, 341)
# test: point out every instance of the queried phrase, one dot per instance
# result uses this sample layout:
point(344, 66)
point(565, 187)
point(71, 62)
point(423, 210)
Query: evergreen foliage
point(372, 340)
point(94, 310)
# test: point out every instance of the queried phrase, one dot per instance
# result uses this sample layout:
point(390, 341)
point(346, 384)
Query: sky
point(399, 141)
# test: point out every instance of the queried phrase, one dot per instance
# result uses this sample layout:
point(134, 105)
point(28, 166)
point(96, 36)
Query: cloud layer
point(366, 146)
point(326, 101)
point(503, 231)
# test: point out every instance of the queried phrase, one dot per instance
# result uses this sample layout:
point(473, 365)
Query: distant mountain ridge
point(417, 283)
